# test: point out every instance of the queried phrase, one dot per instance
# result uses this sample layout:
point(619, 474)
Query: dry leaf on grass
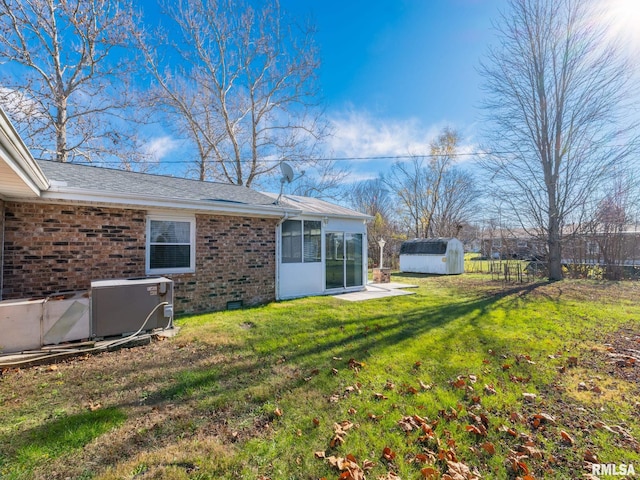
point(388, 454)
point(566, 438)
point(430, 473)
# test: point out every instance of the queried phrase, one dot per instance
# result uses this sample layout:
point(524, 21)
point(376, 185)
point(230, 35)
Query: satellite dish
point(287, 177)
point(287, 172)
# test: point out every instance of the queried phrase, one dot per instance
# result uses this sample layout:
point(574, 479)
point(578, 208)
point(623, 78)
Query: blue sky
point(395, 72)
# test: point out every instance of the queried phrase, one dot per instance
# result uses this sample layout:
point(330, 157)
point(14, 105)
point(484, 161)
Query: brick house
point(64, 225)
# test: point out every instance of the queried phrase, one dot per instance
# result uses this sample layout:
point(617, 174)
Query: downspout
point(365, 256)
point(278, 226)
point(2, 217)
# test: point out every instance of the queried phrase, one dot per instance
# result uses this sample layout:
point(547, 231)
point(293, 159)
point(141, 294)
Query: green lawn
point(414, 386)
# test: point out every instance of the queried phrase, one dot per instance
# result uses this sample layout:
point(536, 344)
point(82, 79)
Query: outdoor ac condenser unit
point(120, 307)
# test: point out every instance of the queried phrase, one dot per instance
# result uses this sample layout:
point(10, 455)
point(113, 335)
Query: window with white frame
point(170, 244)
point(301, 241)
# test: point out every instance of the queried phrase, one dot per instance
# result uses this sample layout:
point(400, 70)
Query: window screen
point(292, 241)
point(170, 245)
point(312, 241)
point(301, 241)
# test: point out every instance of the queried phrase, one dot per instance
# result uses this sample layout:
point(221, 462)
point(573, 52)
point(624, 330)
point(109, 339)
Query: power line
point(320, 159)
point(331, 159)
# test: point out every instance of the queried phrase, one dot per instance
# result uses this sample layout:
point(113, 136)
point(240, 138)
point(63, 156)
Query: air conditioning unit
point(120, 307)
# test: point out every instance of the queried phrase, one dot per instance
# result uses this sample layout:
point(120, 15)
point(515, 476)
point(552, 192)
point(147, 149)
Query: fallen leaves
point(489, 390)
point(349, 467)
point(489, 448)
point(339, 433)
point(433, 445)
point(388, 454)
point(566, 438)
point(459, 471)
point(355, 365)
point(425, 386)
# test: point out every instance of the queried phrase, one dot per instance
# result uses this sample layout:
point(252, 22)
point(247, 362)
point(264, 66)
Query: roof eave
point(363, 217)
point(18, 157)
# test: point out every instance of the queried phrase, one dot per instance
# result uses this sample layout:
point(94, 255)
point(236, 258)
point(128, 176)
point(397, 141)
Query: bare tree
point(611, 227)
point(555, 88)
point(437, 196)
point(242, 88)
point(407, 180)
point(457, 202)
point(373, 198)
point(64, 80)
point(322, 179)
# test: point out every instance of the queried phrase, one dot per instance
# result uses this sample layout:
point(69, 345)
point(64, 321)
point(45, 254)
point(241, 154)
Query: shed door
point(343, 257)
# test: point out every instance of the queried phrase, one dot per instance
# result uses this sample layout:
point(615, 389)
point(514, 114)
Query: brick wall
point(54, 248)
point(235, 260)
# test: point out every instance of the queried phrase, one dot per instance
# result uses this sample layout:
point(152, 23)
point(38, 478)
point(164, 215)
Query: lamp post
point(381, 243)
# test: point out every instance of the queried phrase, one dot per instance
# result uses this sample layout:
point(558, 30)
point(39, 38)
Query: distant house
point(64, 225)
point(619, 246)
point(507, 246)
point(616, 246)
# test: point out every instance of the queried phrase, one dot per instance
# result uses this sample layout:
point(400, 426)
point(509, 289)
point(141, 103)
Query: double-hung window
point(170, 245)
point(301, 241)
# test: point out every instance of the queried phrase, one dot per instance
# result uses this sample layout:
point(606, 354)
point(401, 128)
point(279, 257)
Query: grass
point(257, 393)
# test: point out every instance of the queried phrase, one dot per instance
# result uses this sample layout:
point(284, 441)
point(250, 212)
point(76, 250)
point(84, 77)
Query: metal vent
point(234, 305)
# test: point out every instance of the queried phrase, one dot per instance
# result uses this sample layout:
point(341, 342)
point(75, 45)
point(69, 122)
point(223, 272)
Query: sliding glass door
point(343, 254)
point(353, 259)
point(334, 246)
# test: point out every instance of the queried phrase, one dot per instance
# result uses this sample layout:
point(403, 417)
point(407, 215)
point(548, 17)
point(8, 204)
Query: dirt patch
point(622, 354)
point(139, 381)
point(590, 290)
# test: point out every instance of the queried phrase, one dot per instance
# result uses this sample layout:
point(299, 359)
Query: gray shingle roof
point(106, 180)
point(310, 205)
point(99, 181)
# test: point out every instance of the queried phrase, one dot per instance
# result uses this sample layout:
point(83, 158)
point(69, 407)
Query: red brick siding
point(235, 260)
point(54, 248)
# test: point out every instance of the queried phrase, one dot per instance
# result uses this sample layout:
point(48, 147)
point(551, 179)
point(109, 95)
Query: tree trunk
point(555, 249)
point(61, 132)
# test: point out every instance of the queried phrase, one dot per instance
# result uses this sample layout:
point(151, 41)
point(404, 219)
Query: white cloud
point(358, 134)
point(160, 147)
point(19, 105)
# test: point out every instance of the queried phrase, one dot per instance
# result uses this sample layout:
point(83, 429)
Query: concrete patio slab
point(377, 290)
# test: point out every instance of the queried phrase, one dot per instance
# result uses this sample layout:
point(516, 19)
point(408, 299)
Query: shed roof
point(425, 246)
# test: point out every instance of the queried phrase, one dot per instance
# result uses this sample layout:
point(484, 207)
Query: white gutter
point(2, 213)
point(278, 253)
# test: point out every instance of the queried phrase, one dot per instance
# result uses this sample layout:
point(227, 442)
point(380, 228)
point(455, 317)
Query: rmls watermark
point(620, 469)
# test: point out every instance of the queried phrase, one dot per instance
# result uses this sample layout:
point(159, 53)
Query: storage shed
point(443, 256)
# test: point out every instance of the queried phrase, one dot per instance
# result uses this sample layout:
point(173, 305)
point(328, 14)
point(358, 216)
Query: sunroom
point(322, 251)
